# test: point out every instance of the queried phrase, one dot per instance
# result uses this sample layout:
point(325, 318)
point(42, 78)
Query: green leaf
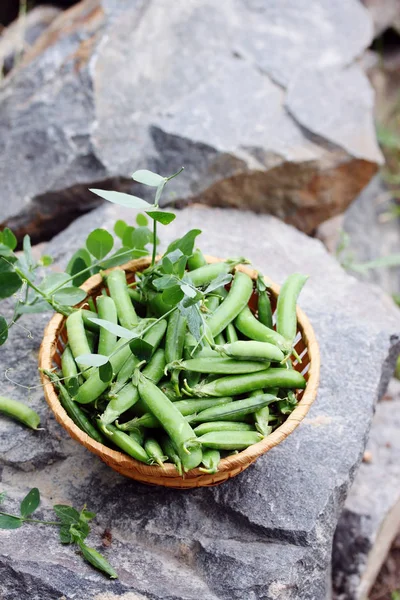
point(65, 535)
point(10, 283)
point(188, 290)
point(27, 248)
point(46, 260)
point(9, 239)
point(53, 281)
point(167, 265)
point(30, 503)
point(86, 515)
point(69, 296)
point(72, 385)
point(67, 514)
point(106, 372)
point(165, 218)
point(141, 220)
point(82, 529)
point(221, 280)
point(97, 560)
point(180, 266)
point(38, 307)
point(159, 192)
point(172, 295)
point(165, 282)
point(141, 349)
point(122, 199)
point(3, 330)
point(193, 318)
point(99, 243)
point(7, 522)
point(92, 360)
point(148, 178)
point(5, 251)
point(185, 244)
point(117, 330)
point(119, 228)
point(79, 261)
point(122, 256)
point(137, 238)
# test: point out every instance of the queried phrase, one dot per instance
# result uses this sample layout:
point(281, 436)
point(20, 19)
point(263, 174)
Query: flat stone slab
point(371, 517)
point(264, 535)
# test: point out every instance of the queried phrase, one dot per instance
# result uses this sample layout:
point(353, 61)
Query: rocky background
point(272, 108)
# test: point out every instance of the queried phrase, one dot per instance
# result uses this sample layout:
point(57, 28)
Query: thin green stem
point(30, 520)
point(153, 257)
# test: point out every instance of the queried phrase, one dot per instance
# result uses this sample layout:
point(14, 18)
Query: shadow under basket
point(55, 339)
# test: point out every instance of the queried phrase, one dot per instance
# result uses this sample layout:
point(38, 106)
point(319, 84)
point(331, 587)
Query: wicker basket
point(55, 338)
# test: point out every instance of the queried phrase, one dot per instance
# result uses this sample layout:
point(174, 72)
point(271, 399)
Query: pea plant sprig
point(73, 524)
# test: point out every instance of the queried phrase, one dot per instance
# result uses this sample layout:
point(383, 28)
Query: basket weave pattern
point(53, 344)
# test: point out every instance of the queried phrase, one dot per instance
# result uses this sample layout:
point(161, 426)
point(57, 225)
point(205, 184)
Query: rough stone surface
point(265, 535)
point(111, 86)
point(385, 14)
point(371, 517)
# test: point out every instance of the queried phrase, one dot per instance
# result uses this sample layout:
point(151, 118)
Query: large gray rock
point(227, 89)
point(371, 518)
point(264, 535)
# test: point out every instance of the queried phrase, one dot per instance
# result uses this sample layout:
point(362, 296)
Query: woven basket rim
point(168, 475)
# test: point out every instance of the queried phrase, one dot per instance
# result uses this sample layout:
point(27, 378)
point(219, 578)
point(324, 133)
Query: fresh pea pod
point(204, 275)
point(73, 410)
point(69, 368)
point(236, 300)
point(155, 452)
point(253, 329)
point(210, 462)
point(107, 311)
point(211, 303)
point(116, 281)
point(286, 319)
point(124, 441)
point(197, 260)
point(20, 412)
point(77, 339)
point(219, 339)
point(222, 426)
point(240, 384)
point(155, 335)
point(96, 559)
point(172, 421)
point(262, 416)
point(185, 407)
point(264, 309)
point(174, 342)
point(137, 435)
point(94, 386)
point(231, 334)
point(223, 366)
point(252, 350)
point(230, 440)
point(154, 371)
point(125, 399)
point(136, 296)
point(170, 450)
point(124, 375)
point(226, 412)
point(86, 316)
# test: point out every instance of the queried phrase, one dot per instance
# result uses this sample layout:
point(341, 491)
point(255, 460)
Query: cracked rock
point(264, 535)
point(219, 88)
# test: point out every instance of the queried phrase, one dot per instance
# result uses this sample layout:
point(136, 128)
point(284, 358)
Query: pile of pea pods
point(189, 404)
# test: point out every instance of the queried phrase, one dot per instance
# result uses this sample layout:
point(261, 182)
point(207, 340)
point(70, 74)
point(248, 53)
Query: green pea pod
point(125, 399)
point(286, 319)
point(124, 375)
point(73, 409)
point(219, 339)
point(252, 350)
point(238, 408)
point(170, 450)
point(137, 435)
point(97, 560)
point(172, 421)
point(222, 426)
point(155, 451)
point(185, 407)
point(231, 334)
point(154, 371)
point(174, 343)
point(241, 384)
point(86, 316)
point(69, 367)
point(136, 296)
point(124, 441)
point(204, 275)
point(155, 335)
point(116, 281)
point(20, 412)
point(262, 415)
point(211, 303)
point(107, 311)
point(210, 462)
point(223, 366)
point(236, 300)
point(77, 340)
point(230, 440)
point(196, 261)
point(253, 329)
point(264, 309)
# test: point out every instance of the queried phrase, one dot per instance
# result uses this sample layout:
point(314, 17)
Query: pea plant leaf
point(67, 514)
point(141, 349)
point(122, 256)
point(99, 243)
point(9, 239)
point(30, 503)
point(120, 227)
point(172, 295)
point(141, 220)
point(8, 522)
point(27, 248)
point(222, 280)
point(53, 281)
point(46, 260)
point(185, 244)
point(65, 535)
point(188, 290)
point(122, 199)
point(106, 372)
point(117, 330)
point(91, 360)
point(38, 307)
point(137, 238)
point(148, 178)
point(165, 218)
point(72, 385)
point(69, 296)
point(79, 261)
point(3, 330)
point(10, 283)
point(165, 282)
